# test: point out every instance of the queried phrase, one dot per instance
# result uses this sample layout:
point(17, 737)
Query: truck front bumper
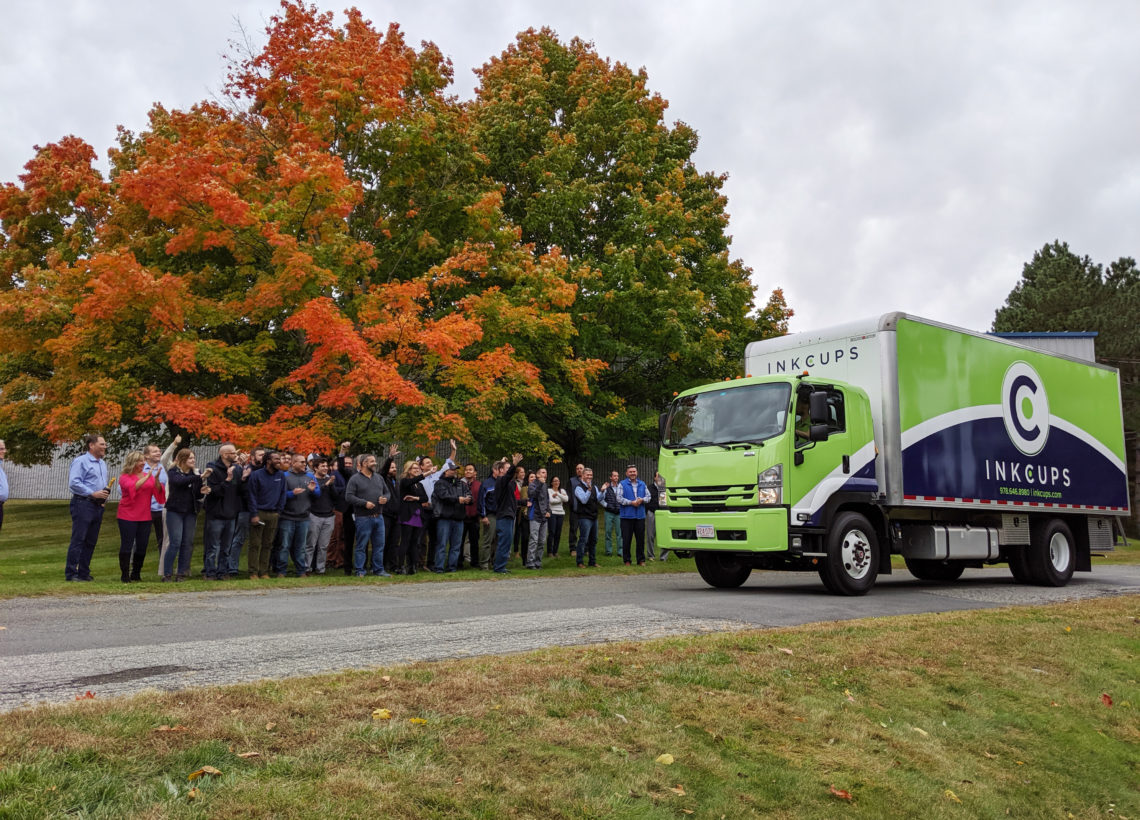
point(763, 529)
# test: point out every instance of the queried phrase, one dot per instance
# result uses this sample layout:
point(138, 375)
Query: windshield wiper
point(731, 445)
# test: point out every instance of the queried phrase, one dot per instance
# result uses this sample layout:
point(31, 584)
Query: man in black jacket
point(322, 516)
point(449, 500)
point(226, 481)
point(506, 505)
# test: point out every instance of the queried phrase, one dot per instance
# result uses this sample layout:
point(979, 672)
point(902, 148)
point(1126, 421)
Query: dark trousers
point(133, 538)
point(86, 519)
point(348, 537)
point(409, 557)
point(632, 528)
point(471, 537)
point(587, 541)
point(432, 536)
point(391, 542)
point(554, 534)
point(521, 530)
point(572, 523)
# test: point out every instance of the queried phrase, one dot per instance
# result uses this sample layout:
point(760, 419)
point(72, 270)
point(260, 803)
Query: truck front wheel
point(1052, 553)
point(852, 562)
point(722, 571)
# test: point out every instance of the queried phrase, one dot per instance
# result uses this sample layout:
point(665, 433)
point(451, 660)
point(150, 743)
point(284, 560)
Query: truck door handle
point(846, 464)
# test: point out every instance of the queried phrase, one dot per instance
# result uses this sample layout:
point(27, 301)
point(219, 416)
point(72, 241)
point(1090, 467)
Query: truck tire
point(930, 570)
point(1052, 553)
point(1018, 559)
point(722, 571)
point(852, 562)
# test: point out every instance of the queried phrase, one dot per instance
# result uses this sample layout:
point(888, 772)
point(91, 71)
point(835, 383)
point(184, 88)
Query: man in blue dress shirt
point(90, 487)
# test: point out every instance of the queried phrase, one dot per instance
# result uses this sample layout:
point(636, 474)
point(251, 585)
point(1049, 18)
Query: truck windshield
point(748, 413)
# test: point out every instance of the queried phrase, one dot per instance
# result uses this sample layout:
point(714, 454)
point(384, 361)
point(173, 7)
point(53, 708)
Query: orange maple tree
point(256, 269)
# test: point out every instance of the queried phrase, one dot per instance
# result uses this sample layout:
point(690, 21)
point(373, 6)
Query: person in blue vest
point(90, 488)
point(633, 496)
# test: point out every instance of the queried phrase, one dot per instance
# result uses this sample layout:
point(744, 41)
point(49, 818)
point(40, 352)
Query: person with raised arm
point(137, 488)
point(506, 506)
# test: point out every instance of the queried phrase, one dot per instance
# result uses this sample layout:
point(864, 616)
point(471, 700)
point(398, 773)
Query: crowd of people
point(307, 514)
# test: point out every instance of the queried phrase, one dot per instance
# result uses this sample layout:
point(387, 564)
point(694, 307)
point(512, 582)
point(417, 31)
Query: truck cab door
point(822, 448)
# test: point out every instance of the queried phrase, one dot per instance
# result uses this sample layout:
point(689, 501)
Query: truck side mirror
point(818, 432)
point(664, 417)
point(818, 409)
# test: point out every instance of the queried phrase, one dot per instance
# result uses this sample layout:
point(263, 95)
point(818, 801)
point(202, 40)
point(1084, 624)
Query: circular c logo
point(1025, 408)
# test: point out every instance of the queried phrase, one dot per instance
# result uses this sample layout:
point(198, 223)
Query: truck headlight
point(770, 486)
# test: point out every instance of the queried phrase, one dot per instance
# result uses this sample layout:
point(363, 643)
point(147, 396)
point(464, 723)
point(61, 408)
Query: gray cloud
point(880, 155)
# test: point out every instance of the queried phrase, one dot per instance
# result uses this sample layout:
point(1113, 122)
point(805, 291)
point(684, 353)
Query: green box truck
point(895, 435)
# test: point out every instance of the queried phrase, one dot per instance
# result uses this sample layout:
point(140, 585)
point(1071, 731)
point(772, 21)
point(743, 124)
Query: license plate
point(706, 531)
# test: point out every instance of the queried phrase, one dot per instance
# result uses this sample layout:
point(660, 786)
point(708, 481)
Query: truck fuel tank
point(941, 542)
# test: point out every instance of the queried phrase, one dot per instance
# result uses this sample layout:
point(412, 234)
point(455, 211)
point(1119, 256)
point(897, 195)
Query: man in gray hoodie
point(367, 492)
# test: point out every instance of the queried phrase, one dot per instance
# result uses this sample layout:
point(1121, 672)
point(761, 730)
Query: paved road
point(55, 648)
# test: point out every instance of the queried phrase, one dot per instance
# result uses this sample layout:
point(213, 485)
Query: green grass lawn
point(1022, 712)
point(33, 550)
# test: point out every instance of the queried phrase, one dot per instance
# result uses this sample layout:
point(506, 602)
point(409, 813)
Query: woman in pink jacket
point(137, 489)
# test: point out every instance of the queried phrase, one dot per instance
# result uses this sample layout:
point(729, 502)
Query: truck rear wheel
point(852, 562)
point(930, 570)
point(722, 571)
point(1052, 553)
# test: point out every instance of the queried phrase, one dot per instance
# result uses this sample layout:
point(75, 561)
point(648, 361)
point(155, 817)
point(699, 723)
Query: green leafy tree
point(588, 165)
point(1061, 291)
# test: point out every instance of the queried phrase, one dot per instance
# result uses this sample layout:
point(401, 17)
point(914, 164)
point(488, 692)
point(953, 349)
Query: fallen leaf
point(678, 789)
point(1106, 699)
point(850, 697)
point(192, 794)
point(800, 720)
point(248, 755)
point(234, 711)
point(202, 771)
point(23, 572)
point(177, 728)
point(381, 714)
point(665, 759)
point(952, 796)
point(417, 721)
point(686, 811)
point(922, 732)
point(386, 678)
point(785, 650)
point(990, 756)
point(458, 780)
point(621, 717)
point(1020, 762)
point(842, 794)
point(1068, 629)
point(269, 727)
point(88, 695)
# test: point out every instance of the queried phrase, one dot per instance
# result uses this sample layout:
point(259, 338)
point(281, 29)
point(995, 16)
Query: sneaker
point(382, 574)
point(627, 563)
point(360, 575)
point(639, 563)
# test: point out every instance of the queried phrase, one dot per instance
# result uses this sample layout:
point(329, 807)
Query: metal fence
point(49, 481)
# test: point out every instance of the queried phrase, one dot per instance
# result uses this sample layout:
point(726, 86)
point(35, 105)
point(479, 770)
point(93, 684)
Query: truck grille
point(712, 498)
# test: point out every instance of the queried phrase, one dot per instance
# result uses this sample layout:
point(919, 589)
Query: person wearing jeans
point(589, 499)
point(449, 503)
point(300, 490)
point(612, 515)
point(506, 505)
point(538, 512)
point(367, 492)
point(185, 487)
point(223, 503)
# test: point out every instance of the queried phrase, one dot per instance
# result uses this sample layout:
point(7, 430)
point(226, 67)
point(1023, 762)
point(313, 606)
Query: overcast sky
point(881, 155)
